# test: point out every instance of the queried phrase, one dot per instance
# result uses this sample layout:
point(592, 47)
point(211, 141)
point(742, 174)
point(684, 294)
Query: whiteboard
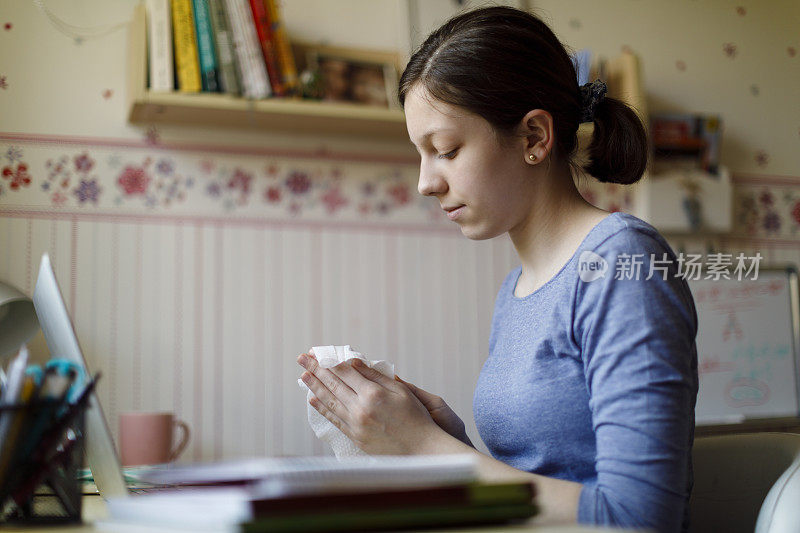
point(747, 347)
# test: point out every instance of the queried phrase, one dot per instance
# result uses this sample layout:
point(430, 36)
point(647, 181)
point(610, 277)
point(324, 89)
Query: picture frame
point(352, 75)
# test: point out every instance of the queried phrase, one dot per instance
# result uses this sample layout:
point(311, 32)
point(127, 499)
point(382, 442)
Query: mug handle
point(185, 433)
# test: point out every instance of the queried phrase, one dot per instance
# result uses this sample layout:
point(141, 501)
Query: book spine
point(205, 46)
point(367, 519)
point(319, 503)
point(222, 38)
point(262, 25)
point(283, 48)
point(186, 60)
point(472, 494)
point(159, 45)
point(247, 50)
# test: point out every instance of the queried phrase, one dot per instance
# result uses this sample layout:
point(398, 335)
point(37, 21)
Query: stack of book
point(323, 494)
point(238, 47)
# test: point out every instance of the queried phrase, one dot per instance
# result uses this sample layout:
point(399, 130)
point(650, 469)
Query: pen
point(53, 396)
point(15, 386)
point(19, 418)
point(51, 402)
point(44, 452)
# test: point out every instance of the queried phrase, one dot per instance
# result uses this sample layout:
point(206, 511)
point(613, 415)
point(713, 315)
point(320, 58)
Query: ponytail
point(618, 151)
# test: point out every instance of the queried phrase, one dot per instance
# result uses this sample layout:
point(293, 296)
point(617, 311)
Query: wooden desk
point(94, 509)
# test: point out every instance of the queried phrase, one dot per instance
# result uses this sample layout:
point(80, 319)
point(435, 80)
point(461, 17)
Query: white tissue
point(328, 356)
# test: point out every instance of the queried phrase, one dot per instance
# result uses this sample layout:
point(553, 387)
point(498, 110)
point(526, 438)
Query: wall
point(736, 59)
point(197, 262)
point(740, 59)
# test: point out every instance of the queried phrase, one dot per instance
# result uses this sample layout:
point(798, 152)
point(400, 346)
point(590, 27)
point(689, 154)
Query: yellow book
point(187, 62)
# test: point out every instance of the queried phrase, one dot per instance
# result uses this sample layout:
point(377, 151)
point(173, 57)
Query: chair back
point(745, 483)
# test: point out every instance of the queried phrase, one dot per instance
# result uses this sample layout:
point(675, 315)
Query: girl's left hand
point(377, 413)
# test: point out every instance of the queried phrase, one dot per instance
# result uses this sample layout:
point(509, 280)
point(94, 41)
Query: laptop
point(61, 341)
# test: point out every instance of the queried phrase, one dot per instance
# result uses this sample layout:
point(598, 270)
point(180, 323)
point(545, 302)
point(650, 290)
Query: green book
point(450, 495)
point(476, 503)
point(372, 520)
point(205, 46)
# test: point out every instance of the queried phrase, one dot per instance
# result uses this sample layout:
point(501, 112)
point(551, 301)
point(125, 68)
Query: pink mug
point(147, 438)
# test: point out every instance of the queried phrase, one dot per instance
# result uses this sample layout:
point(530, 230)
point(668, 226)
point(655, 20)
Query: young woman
point(591, 380)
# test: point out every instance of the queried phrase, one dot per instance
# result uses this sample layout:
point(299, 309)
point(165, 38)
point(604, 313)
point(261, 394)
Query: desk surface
point(94, 509)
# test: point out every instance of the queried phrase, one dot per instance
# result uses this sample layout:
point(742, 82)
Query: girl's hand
point(442, 414)
point(380, 415)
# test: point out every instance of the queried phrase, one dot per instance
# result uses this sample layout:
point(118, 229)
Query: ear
point(536, 127)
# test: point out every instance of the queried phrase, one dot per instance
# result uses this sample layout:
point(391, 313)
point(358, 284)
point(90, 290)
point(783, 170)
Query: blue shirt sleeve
point(637, 339)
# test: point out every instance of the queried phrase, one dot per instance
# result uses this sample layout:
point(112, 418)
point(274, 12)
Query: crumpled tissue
point(328, 356)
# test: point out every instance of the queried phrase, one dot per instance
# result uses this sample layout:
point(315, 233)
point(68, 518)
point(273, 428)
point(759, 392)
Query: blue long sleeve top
point(592, 378)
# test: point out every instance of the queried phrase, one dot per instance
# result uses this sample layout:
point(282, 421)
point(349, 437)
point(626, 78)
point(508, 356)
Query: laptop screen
point(62, 342)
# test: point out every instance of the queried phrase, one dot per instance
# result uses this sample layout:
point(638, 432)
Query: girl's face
point(480, 179)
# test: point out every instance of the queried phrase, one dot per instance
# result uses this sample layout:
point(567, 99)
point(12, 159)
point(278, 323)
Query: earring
point(532, 157)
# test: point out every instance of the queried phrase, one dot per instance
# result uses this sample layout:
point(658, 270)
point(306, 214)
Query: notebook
point(280, 476)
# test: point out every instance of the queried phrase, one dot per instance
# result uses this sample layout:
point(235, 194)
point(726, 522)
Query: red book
point(264, 31)
point(366, 500)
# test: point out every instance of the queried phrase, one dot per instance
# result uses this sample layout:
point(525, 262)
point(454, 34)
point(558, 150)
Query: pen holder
point(39, 463)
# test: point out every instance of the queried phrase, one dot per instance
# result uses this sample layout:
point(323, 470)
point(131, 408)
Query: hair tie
point(591, 94)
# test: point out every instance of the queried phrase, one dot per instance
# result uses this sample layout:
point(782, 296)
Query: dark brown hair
point(500, 63)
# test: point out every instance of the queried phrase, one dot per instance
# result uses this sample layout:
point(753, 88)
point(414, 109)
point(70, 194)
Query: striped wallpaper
point(206, 318)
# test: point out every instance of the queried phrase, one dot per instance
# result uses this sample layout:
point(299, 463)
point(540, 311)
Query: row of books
point(238, 47)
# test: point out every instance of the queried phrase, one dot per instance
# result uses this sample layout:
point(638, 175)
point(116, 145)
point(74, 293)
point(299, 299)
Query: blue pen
point(61, 381)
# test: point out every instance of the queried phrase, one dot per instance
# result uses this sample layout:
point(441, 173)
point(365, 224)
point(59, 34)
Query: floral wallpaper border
point(146, 180)
point(85, 176)
point(764, 207)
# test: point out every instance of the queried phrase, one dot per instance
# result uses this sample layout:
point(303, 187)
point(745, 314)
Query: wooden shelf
point(303, 116)
point(213, 109)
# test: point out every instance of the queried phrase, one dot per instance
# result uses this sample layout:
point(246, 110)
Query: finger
point(422, 395)
point(352, 377)
point(324, 395)
point(373, 375)
point(404, 382)
point(419, 393)
point(330, 380)
point(340, 424)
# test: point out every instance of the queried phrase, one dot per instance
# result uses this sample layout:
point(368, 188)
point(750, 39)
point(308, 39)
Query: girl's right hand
point(442, 414)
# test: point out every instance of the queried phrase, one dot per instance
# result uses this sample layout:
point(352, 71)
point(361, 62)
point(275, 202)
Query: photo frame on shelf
point(352, 75)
